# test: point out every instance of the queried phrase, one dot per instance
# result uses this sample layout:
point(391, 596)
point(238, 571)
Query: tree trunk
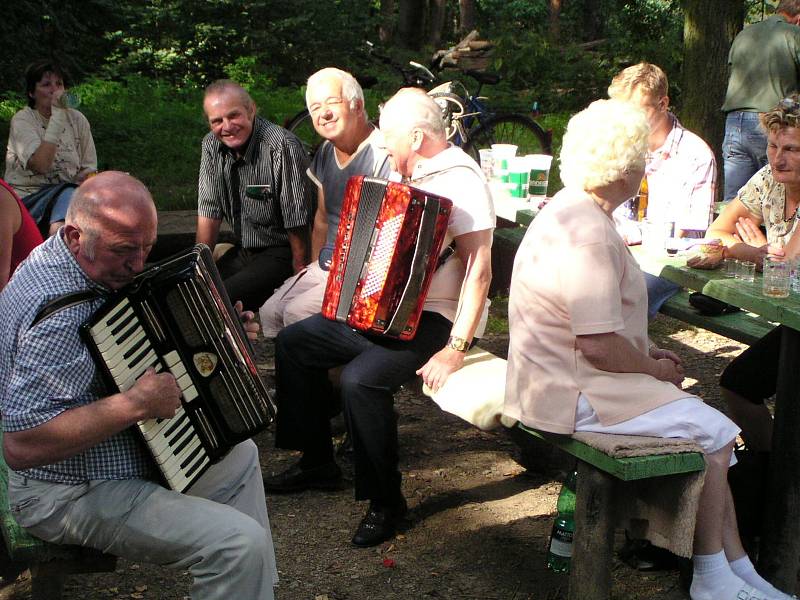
point(410, 23)
point(708, 31)
point(554, 30)
point(466, 21)
point(386, 29)
point(436, 19)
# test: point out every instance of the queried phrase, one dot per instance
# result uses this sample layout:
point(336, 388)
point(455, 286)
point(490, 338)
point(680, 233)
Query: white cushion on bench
point(476, 391)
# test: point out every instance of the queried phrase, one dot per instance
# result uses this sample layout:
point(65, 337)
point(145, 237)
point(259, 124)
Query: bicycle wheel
point(303, 128)
point(523, 132)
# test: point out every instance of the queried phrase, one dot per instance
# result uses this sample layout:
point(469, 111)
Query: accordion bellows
point(387, 248)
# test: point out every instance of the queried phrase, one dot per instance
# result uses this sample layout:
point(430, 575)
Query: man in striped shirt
point(253, 175)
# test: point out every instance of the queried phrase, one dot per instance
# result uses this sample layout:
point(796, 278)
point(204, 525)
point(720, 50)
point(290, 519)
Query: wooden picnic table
point(779, 554)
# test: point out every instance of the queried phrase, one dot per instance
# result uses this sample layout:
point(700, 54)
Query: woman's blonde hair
point(602, 143)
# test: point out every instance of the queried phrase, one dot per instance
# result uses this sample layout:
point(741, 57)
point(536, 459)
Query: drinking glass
point(746, 270)
point(776, 277)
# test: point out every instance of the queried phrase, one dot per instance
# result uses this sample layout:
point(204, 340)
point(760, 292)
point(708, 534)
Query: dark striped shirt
point(274, 158)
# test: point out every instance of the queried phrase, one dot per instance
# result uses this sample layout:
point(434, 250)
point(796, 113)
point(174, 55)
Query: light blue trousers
point(219, 531)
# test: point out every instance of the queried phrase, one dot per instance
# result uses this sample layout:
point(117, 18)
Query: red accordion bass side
point(387, 248)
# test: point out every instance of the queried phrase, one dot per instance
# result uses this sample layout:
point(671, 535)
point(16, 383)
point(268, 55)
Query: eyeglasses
point(790, 110)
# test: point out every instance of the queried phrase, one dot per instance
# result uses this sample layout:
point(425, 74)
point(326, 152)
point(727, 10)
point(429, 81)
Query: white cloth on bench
point(476, 391)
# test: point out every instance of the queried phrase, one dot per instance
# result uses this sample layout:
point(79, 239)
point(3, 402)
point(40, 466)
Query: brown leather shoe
point(297, 479)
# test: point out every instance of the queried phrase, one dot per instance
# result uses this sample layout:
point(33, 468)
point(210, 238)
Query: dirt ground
point(478, 524)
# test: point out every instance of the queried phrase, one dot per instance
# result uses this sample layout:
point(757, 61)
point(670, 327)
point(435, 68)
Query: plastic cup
point(746, 270)
point(485, 157)
point(775, 283)
point(518, 170)
point(501, 156)
point(653, 239)
point(539, 165)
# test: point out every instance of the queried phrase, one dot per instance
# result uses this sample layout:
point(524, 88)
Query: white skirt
point(686, 418)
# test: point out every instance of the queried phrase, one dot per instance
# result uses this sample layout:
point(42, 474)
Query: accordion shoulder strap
point(66, 301)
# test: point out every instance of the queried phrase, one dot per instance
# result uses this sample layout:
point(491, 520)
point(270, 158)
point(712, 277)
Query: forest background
point(139, 67)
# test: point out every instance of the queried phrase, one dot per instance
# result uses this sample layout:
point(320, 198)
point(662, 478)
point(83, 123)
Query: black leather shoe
point(297, 479)
point(379, 524)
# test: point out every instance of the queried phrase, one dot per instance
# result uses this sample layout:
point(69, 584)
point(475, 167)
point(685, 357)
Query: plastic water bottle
point(560, 550)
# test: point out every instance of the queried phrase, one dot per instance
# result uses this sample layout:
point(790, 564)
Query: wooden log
point(593, 545)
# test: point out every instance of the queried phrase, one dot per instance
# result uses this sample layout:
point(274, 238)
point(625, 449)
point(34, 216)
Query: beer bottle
point(641, 205)
point(560, 550)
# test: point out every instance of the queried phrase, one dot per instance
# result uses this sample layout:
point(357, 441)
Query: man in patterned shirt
point(79, 475)
point(252, 175)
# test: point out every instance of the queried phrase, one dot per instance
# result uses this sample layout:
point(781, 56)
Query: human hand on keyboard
point(156, 394)
point(247, 317)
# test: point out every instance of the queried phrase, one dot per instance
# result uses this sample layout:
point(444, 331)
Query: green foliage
point(70, 31)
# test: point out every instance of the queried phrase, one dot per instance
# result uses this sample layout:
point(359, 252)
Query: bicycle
point(469, 122)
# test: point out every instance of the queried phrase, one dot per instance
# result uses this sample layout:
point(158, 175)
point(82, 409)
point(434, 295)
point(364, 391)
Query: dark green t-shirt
point(764, 65)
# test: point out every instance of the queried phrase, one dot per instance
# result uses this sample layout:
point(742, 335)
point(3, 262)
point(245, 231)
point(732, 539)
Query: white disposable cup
point(539, 167)
point(518, 172)
point(501, 156)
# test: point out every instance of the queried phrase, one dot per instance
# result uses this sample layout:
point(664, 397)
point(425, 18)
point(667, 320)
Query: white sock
point(744, 568)
point(714, 580)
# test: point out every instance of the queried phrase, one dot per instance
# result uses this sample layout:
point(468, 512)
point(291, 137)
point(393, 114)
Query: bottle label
point(560, 547)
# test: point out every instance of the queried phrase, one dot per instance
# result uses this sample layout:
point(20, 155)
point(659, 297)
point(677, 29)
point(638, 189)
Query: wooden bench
point(602, 484)
point(49, 564)
point(603, 480)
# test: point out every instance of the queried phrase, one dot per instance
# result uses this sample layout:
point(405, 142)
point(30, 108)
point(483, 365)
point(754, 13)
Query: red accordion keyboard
point(387, 249)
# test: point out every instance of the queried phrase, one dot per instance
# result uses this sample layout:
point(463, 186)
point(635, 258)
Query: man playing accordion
point(374, 367)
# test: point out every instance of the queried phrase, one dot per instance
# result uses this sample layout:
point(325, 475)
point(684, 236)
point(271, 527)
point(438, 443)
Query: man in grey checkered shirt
point(79, 475)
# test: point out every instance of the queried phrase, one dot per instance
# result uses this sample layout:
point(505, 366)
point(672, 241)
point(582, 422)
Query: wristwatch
point(457, 343)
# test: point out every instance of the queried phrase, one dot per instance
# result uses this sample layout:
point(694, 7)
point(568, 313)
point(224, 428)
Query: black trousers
point(253, 275)
point(754, 373)
point(375, 368)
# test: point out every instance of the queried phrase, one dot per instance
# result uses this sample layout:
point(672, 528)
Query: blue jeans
point(374, 368)
point(744, 150)
point(659, 290)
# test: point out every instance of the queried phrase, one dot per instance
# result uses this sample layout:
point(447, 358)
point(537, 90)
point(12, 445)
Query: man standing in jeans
point(764, 64)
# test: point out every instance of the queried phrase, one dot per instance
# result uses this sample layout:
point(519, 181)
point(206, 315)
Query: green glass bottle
point(560, 549)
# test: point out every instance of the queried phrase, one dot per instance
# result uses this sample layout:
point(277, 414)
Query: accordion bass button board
point(176, 317)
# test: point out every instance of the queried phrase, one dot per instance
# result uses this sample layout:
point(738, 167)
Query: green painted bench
point(602, 483)
point(49, 564)
point(475, 393)
point(741, 326)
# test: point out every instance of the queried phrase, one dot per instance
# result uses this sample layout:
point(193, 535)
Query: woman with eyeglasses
point(769, 199)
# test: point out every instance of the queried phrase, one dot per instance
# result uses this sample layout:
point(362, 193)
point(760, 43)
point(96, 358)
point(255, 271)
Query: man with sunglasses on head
point(764, 63)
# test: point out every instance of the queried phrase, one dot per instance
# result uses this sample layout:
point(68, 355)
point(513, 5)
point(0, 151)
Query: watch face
point(457, 343)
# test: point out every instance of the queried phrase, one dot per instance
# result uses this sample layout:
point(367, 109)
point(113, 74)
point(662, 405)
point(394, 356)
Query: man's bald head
point(111, 227)
point(412, 128)
point(412, 108)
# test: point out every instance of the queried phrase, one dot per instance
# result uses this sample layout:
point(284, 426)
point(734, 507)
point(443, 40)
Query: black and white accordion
point(176, 317)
